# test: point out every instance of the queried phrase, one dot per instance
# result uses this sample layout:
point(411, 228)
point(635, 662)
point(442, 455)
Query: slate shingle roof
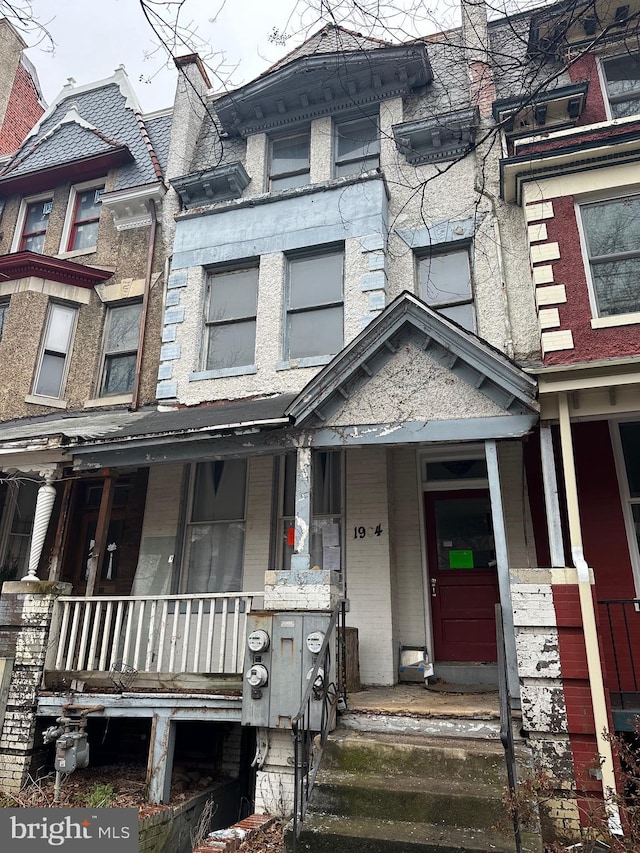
point(69, 142)
point(105, 108)
point(159, 129)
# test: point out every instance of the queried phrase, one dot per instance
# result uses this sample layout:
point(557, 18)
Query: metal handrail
point(506, 730)
point(620, 630)
point(308, 751)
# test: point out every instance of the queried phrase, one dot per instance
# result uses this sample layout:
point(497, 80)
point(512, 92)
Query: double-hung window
point(230, 320)
point(34, 226)
point(120, 348)
point(315, 309)
point(326, 507)
point(622, 78)
point(289, 166)
point(445, 284)
point(611, 232)
point(4, 311)
point(357, 145)
point(85, 219)
point(55, 352)
point(215, 532)
point(18, 505)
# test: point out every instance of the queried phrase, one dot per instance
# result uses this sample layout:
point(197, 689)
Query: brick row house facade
point(393, 359)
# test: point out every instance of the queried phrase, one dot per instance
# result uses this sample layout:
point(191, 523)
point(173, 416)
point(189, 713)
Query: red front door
point(462, 575)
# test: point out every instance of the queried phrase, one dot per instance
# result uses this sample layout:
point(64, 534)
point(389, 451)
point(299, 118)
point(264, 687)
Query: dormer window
point(289, 165)
point(357, 146)
point(622, 77)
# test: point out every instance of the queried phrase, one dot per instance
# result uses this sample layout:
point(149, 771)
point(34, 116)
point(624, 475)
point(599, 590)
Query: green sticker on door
point(459, 559)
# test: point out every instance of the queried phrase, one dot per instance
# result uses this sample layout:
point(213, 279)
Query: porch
point(133, 644)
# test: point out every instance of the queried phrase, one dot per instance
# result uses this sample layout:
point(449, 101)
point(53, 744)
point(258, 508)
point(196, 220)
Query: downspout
point(588, 614)
point(135, 397)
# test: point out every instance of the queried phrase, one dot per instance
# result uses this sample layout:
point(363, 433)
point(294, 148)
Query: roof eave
point(80, 169)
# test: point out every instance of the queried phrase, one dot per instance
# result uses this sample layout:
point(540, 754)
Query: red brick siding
point(23, 111)
point(575, 314)
point(586, 68)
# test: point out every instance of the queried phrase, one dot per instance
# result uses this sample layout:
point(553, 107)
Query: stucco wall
point(125, 253)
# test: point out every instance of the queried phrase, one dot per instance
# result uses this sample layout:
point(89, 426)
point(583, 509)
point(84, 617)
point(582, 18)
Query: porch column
point(551, 503)
point(160, 765)
point(301, 557)
point(502, 560)
point(44, 507)
point(587, 608)
point(102, 528)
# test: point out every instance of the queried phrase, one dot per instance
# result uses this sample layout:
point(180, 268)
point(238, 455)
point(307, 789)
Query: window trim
point(101, 395)
point(610, 320)
point(625, 496)
point(316, 252)
point(604, 87)
point(70, 223)
point(336, 161)
point(5, 302)
point(42, 352)
point(293, 173)
point(440, 250)
point(25, 202)
point(205, 372)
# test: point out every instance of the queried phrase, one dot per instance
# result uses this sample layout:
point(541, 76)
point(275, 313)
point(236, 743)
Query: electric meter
point(257, 676)
point(258, 641)
point(314, 641)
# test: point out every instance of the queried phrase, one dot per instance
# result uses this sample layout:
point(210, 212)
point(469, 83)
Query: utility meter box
point(72, 752)
point(281, 652)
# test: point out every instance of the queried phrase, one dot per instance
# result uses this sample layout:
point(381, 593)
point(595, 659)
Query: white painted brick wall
point(406, 548)
point(368, 564)
point(543, 706)
point(274, 781)
point(533, 605)
point(537, 652)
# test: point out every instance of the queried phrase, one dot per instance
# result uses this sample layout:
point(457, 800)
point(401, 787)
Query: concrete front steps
point(383, 792)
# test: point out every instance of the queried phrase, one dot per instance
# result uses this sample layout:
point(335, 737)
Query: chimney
point(475, 39)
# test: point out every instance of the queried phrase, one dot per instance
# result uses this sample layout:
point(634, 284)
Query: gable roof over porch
point(413, 375)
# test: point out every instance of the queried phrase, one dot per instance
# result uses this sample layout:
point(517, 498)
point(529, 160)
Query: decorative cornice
point(431, 140)
point(19, 265)
point(132, 208)
point(571, 25)
point(554, 109)
point(323, 84)
point(211, 185)
point(576, 156)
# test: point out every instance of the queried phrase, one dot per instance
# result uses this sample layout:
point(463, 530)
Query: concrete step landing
point(387, 792)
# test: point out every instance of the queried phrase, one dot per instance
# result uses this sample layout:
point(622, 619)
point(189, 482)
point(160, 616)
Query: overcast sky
point(93, 37)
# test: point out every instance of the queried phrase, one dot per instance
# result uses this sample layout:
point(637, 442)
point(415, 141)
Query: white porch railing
point(165, 633)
